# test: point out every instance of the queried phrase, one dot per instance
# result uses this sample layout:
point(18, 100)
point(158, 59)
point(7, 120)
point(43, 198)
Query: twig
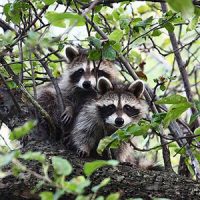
point(27, 94)
point(53, 80)
point(181, 64)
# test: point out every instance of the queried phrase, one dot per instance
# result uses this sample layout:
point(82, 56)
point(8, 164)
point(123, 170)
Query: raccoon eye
point(76, 76)
point(131, 111)
point(80, 71)
point(111, 107)
point(127, 107)
point(103, 73)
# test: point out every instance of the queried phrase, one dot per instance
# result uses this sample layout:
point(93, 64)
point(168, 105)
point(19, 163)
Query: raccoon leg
point(68, 113)
point(124, 153)
point(83, 142)
point(83, 151)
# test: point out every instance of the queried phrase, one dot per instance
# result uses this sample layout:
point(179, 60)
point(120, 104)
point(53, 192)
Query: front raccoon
point(77, 85)
point(117, 106)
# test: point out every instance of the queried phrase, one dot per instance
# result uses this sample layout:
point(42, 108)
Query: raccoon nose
point(87, 84)
point(119, 121)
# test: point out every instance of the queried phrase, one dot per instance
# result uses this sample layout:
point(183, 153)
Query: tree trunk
point(129, 181)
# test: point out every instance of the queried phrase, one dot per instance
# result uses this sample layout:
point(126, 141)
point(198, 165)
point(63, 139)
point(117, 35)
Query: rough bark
point(129, 181)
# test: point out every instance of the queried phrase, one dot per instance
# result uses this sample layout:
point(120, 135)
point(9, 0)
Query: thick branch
point(129, 181)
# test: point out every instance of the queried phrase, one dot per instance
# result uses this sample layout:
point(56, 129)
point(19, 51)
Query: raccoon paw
point(66, 117)
point(82, 153)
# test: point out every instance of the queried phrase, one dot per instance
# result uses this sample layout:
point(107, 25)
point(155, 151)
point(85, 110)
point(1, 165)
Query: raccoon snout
point(87, 84)
point(119, 121)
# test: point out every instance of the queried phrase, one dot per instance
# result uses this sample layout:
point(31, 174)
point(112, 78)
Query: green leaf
point(6, 10)
point(117, 47)
point(38, 156)
point(91, 167)
point(116, 35)
point(77, 185)
point(180, 150)
point(137, 129)
point(102, 184)
point(16, 67)
point(162, 87)
point(49, 2)
point(190, 167)
point(15, 10)
point(94, 55)
point(113, 196)
point(104, 143)
point(108, 53)
point(197, 131)
point(194, 117)
point(158, 117)
point(156, 33)
point(135, 57)
point(7, 158)
point(58, 19)
point(143, 24)
point(124, 23)
point(95, 42)
point(143, 9)
point(21, 131)
point(46, 196)
point(186, 7)
point(193, 23)
point(61, 166)
point(173, 99)
point(175, 111)
point(169, 27)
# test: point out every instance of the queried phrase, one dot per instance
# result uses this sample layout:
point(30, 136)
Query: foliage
point(61, 171)
point(161, 48)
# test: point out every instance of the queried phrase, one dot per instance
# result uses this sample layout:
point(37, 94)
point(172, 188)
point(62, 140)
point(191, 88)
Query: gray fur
point(90, 127)
point(74, 97)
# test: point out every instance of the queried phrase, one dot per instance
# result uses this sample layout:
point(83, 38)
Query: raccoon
point(117, 106)
point(79, 81)
point(77, 85)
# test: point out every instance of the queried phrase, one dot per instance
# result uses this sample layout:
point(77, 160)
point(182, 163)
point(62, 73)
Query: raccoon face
point(83, 73)
point(121, 106)
point(82, 76)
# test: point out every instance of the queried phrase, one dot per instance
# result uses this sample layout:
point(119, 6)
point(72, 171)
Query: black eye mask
point(131, 111)
point(76, 76)
point(100, 73)
point(106, 111)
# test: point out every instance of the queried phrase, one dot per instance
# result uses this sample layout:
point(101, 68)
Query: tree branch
point(127, 180)
point(109, 2)
point(26, 93)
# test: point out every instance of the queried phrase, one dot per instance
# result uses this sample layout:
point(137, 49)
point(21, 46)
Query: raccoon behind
point(77, 85)
point(117, 106)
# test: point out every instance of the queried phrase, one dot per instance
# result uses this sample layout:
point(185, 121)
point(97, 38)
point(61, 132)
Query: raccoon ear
point(104, 85)
point(71, 53)
point(137, 88)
